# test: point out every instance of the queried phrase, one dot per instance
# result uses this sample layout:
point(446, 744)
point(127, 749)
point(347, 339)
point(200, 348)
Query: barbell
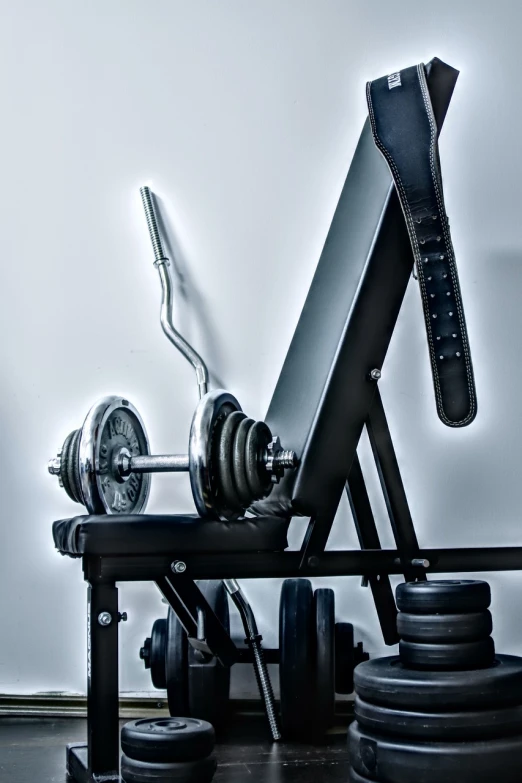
point(232, 460)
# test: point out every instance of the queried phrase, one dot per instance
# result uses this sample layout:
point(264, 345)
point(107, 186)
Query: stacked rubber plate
point(317, 659)
point(170, 750)
point(447, 708)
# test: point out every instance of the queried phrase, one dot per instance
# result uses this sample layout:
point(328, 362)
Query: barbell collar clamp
point(54, 465)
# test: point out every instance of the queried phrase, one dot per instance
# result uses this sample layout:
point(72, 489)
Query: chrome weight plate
point(213, 408)
point(112, 424)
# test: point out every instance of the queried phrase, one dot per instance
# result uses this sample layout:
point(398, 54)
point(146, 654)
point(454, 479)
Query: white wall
point(243, 117)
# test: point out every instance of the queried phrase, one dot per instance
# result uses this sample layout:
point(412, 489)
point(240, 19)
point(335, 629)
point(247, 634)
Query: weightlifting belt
point(405, 132)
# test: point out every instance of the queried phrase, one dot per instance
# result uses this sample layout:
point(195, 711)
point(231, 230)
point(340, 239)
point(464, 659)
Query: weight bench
point(151, 534)
point(327, 393)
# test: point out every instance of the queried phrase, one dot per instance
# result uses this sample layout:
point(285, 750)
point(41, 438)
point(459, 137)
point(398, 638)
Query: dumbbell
point(232, 460)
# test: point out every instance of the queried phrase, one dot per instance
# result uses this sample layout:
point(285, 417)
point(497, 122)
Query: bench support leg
point(368, 535)
point(100, 761)
point(102, 682)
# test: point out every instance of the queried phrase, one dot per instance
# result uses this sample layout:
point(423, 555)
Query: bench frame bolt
point(105, 618)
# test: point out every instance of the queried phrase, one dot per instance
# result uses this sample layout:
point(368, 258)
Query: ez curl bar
point(232, 460)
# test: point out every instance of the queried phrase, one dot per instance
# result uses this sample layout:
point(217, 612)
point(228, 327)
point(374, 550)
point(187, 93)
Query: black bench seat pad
point(157, 534)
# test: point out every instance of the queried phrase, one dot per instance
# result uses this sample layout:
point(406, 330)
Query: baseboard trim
point(67, 706)
point(70, 706)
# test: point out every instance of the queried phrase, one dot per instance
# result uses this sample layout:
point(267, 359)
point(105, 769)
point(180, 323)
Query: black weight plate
point(64, 462)
point(208, 680)
point(446, 725)
point(176, 666)
point(200, 771)
point(444, 627)
point(460, 655)
point(386, 681)
point(259, 481)
point(73, 468)
point(167, 739)
point(411, 761)
point(68, 470)
point(158, 644)
point(224, 464)
point(324, 614)
point(239, 462)
point(297, 652)
point(443, 596)
point(344, 658)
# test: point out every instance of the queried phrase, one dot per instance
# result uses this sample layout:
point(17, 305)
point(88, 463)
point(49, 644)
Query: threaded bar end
point(152, 223)
point(265, 688)
point(286, 459)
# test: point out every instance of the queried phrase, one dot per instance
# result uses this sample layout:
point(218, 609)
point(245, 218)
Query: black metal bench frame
point(369, 246)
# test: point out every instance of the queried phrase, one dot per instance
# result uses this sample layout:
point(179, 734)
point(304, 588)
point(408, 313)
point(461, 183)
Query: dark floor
point(33, 750)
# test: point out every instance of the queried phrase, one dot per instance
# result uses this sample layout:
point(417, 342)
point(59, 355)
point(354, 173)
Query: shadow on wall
point(463, 485)
point(32, 582)
point(189, 298)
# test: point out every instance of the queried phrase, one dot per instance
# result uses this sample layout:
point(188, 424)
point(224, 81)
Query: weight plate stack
point(311, 648)
point(168, 750)
point(229, 457)
point(447, 706)
point(437, 635)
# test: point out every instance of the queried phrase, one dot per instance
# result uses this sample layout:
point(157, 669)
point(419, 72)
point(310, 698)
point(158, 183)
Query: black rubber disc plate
point(444, 596)
point(386, 681)
point(165, 740)
point(411, 761)
point(447, 628)
point(443, 725)
point(200, 771)
point(297, 652)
